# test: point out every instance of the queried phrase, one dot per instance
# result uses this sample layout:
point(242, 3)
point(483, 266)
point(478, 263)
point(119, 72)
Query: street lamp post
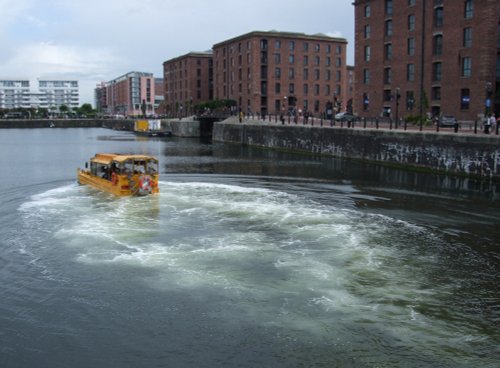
point(488, 98)
point(282, 117)
point(398, 96)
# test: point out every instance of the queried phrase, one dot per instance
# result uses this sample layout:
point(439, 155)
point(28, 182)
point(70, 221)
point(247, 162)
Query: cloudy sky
point(98, 40)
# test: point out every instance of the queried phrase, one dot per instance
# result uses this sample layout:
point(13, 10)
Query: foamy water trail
point(286, 260)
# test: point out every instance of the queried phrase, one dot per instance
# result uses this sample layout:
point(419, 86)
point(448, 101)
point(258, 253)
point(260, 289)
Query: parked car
point(345, 116)
point(447, 121)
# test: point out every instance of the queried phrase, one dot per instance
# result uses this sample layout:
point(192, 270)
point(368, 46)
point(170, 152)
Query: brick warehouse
point(439, 56)
point(270, 72)
point(188, 80)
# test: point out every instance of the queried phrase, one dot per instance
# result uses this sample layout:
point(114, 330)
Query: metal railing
point(470, 127)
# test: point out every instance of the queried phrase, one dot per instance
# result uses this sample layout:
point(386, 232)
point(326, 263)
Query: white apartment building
point(54, 93)
point(14, 93)
point(51, 94)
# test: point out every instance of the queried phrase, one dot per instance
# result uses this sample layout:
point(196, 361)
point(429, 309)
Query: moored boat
point(122, 175)
point(150, 128)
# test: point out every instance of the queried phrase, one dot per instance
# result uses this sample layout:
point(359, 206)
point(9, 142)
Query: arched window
point(468, 9)
point(437, 45)
point(438, 17)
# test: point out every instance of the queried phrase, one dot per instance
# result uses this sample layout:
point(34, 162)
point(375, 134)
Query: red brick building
point(439, 56)
point(127, 94)
point(188, 81)
point(270, 72)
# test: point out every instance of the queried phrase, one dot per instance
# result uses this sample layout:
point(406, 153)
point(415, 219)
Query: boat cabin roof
point(107, 158)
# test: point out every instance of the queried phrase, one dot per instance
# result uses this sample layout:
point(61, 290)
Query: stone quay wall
point(186, 127)
point(447, 153)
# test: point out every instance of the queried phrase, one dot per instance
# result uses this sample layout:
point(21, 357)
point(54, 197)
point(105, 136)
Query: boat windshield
point(152, 167)
point(141, 167)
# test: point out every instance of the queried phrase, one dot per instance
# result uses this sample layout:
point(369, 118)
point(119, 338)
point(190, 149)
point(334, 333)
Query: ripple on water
point(277, 258)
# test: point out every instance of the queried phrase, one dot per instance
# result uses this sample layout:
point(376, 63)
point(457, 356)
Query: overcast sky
point(98, 40)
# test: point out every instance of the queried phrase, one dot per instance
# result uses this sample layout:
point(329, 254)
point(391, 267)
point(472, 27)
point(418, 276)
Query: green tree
point(63, 109)
point(87, 110)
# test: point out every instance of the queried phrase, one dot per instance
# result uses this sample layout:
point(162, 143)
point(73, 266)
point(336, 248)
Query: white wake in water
point(284, 259)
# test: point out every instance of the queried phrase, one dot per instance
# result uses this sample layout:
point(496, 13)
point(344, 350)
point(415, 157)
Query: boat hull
point(121, 186)
point(154, 133)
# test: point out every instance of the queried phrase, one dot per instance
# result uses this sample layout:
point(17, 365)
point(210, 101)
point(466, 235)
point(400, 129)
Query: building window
point(316, 106)
point(306, 74)
point(338, 77)
point(291, 45)
point(328, 61)
point(387, 76)
point(366, 76)
point(277, 88)
point(388, 51)
point(306, 89)
point(316, 60)
point(411, 22)
point(388, 7)
point(411, 2)
point(316, 74)
point(410, 100)
point(437, 45)
point(277, 105)
point(317, 47)
point(291, 73)
point(411, 46)
point(277, 59)
point(327, 90)
point(464, 99)
point(263, 45)
point(328, 75)
point(388, 27)
point(437, 72)
point(316, 89)
point(436, 93)
point(366, 102)
point(466, 67)
point(291, 59)
point(410, 72)
point(368, 11)
point(277, 72)
point(387, 95)
point(468, 37)
point(277, 44)
point(291, 88)
point(329, 49)
point(367, 53)
point(338, 62)
point(338, 50)
point(306, 59)
point(305, 47)
point(468, 9)
point(367, 31)
point(438, 17)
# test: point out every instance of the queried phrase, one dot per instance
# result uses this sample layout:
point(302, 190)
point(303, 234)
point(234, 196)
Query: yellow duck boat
point(122, 175)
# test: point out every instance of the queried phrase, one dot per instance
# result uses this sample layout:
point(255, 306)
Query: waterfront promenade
point(468, 127)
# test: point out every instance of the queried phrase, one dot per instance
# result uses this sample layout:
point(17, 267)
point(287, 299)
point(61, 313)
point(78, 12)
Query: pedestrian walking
point(487, 123)
point(493, 122)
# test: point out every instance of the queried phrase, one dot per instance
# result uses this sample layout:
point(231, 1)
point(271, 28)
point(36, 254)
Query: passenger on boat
point(104, 173)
